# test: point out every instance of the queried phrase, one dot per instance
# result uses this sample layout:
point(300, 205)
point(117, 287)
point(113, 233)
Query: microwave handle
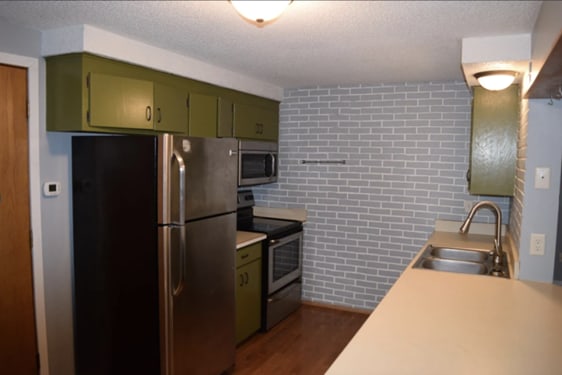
point(273, 171)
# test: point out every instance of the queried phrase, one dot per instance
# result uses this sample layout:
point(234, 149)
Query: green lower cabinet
point(493, 152)
point(248, 291)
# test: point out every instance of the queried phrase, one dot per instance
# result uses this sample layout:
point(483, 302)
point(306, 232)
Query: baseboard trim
point(337, 307)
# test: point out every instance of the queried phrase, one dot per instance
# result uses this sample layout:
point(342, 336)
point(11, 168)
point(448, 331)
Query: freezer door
point(199, 296)
point(198, 177)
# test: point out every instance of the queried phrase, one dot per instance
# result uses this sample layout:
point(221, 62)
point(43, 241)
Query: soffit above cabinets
point(548, 84)
point(508, 52)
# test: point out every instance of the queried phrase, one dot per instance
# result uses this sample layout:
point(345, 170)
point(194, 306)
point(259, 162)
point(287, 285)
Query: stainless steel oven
point(281, 260)
point(257, 162)
point(285, 261)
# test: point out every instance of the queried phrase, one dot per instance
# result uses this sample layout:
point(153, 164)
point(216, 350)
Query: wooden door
point(18, 345)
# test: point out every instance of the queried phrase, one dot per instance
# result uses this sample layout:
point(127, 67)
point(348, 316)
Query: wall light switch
point(542, 178)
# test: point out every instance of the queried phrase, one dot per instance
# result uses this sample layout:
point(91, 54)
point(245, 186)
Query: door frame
point(34, 134)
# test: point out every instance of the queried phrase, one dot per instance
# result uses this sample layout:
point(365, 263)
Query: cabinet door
point(119, 102)
point(203, 114)
point(495, 123)
point(248, 294)
point(170, 105)
point(254, 122)
point(226, 119)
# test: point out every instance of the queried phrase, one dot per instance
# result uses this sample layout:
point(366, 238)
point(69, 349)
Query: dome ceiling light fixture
point(260, 12)
point(496, 80)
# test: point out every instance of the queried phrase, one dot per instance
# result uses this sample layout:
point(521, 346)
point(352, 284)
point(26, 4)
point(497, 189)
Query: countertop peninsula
point(433, 322)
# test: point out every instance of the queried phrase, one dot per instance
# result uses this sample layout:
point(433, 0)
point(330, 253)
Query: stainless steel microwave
point(257, 162)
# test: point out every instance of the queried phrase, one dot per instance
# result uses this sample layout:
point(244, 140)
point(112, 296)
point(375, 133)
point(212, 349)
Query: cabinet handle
point(148, 113)
point(247, 277)
point(244, 256)
point(159, 112)
point(241, 280)
point(468, 176)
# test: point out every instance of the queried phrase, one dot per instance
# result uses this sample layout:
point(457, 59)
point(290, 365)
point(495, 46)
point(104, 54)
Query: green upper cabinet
point(94, 94)
point(203, 115)
point(170, 108)
point(256, 122)
point(493, 153)
point(89, 93)
point(225, 118)
point(120, 102)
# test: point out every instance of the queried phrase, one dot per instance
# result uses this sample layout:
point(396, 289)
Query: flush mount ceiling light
point(496, 80)
point(260, 12)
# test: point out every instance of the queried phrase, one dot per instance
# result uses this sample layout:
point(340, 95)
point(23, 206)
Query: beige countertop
point(298, 214)
point(244, 239)
point(435, 322)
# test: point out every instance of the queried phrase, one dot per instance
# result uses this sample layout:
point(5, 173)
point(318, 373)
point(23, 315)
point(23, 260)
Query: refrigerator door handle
point(181, 201)
point(176, 291)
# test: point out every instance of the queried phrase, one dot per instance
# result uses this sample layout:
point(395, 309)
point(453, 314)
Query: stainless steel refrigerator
point(154, 223)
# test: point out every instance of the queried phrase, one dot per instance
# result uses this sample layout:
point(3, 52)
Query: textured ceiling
point(313, 43)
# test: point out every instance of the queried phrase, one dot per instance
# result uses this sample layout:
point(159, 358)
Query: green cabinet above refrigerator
point(90, 93)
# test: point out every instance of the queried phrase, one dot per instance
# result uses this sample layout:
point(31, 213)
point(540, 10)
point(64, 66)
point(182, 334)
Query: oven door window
point(285, 261)
point(258, 165)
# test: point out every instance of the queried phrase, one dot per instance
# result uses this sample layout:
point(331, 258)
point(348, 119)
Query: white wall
point(540, 207)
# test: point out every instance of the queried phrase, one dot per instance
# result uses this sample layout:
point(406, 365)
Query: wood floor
point(306, 342)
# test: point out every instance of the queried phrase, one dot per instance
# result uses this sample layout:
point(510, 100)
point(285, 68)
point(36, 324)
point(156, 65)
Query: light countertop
point(244, 239)
point(435, 322)
point(298, 214)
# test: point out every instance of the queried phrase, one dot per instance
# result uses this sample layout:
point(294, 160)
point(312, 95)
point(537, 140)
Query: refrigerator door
point(197, 263)
point(198, 177)
point(115, 262)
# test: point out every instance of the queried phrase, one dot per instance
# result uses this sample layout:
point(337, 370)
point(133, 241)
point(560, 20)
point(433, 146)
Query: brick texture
point(406, 150)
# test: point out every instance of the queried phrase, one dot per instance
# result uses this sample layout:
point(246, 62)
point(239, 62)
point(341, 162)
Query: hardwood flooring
point(306, 342)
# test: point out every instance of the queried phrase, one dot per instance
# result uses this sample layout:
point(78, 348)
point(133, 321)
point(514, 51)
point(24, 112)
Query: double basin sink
point(460, 260)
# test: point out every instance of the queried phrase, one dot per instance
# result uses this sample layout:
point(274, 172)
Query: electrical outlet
point(537, 244)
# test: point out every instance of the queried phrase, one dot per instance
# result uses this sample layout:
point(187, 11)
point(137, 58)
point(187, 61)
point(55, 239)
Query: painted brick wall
point(406, 148)
point(516, 216)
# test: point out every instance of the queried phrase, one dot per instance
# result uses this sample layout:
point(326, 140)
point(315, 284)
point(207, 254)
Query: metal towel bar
point(323, 161)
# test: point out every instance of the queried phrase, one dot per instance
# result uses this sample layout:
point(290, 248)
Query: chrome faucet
point(497, 253)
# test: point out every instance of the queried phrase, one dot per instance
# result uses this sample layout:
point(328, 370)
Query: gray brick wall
point(406, 148)
point(516, 218)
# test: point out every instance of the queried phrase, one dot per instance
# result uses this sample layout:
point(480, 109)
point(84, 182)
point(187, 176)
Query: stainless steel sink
point(459, 260)
point(459, 254)
point(457, 266)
